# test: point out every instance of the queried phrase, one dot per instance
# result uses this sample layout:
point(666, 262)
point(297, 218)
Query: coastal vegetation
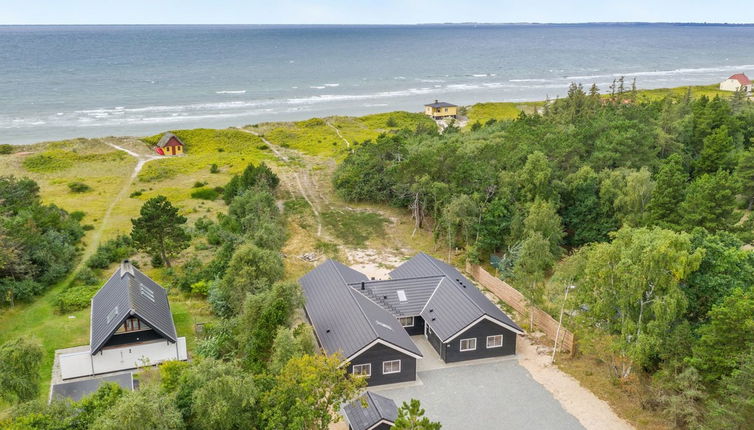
point(639, 202)
point(647, 192)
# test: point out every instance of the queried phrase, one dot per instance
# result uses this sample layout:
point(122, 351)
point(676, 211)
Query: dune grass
point(696, 91)
point(318, 136)
point(483, 112)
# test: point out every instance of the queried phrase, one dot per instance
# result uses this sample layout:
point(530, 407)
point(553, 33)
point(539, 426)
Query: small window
point(132, 324)
point(362, 370)
point(468, 344)
point(402, 295)
point(393, 366)
point(406, 321)
point(113, 313)
point(146, 292)
point(495, 341)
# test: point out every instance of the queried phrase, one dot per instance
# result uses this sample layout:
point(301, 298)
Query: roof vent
point(384, 297)
point(327, 331)
point(436, 101)
point(433, 318)
point(126, 267)
point(431, 310)
point(146, 292)
point(113, 313)
point(362, 285)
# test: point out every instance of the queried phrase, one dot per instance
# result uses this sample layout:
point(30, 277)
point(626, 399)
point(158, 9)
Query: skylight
point(113, 313)
point(382, 324)
point(146, 292)
point(402, 295)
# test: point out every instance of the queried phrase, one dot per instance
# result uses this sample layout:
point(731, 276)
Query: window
point(362, 369)
point(495, 341)
point(132, 324)
point(402, 295)
point(406, 321)
point(393, 366)
point(468, 344)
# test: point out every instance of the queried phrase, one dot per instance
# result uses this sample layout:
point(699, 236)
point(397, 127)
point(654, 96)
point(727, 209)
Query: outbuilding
point(371, 412)
point(736, 83)
point(169, 144)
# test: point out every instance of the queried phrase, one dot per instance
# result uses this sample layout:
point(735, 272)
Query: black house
point(371, 412)
point(347, 322)
point(369, 322)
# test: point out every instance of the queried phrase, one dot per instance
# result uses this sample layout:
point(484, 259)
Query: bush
point(79, 187)
point(6, 148)
point(199, 184)
point(214, 169)
point(112, 251)
point(86, 276)
point(136, 194)
point(75, 298)
point(204, 194)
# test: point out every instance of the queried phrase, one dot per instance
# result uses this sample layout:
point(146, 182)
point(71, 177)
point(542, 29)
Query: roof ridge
point(456, 283)
point(380, 414)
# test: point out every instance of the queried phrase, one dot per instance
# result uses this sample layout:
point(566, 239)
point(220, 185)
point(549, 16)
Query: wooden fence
point(513, 298)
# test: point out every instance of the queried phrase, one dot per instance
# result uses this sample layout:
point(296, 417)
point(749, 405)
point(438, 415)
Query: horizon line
point(697, 23)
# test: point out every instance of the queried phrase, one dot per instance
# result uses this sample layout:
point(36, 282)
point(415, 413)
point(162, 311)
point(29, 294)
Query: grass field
point(483, 112)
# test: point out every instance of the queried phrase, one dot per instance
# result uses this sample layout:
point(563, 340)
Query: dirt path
point(301, 177)
point(592, 412)
point(348, 144)
point(94, 241)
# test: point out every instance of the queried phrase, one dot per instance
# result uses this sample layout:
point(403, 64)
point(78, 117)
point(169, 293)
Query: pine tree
point(716, 152)
point(745, 175)
point(411, 417)
point(159, 231)
point(669, 192)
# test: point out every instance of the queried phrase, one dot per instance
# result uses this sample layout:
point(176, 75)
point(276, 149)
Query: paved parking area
point(496, 395)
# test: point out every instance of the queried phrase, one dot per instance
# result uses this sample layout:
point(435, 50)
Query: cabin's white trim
point(477, 321)
point(382, 421)
point(380, 341)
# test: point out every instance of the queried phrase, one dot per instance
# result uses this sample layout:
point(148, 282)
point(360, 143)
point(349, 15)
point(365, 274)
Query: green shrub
point(205, 194)
point(74, 298)
point(214, 169)
point(136, 194)
point(6, 148)
point(112, 251)
point(79, 187)
point(201, 288)
point(199, 184)
point(86, 276)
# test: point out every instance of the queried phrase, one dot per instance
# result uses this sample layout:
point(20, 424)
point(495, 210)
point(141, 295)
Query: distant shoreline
point(427, 24)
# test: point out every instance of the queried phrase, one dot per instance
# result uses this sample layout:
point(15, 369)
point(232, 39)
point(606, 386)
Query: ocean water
point(68, 81)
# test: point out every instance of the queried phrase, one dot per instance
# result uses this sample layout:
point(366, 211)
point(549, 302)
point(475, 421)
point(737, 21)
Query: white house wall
point(78, 364)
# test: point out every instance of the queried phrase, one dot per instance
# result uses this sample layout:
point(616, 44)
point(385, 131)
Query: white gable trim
point(380, 341)
point(382, 421)
point(475, 322)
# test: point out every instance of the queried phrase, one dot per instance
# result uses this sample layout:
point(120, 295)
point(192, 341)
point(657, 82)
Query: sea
point(60, 82)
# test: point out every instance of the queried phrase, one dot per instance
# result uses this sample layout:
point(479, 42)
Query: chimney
point(437, 101)
point(126, 267)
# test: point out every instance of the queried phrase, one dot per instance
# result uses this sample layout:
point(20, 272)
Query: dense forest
point(642, 206)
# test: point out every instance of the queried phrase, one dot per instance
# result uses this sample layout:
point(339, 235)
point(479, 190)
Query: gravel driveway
point(489, 395)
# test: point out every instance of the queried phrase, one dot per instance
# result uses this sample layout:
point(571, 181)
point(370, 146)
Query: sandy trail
point(348, 144)
point(301, 178)
point(592, 412)
point(142, 159)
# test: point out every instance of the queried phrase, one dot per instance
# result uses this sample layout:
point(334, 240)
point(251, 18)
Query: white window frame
point(368, 366)
point(470, 339)
point(391, 362)
point(413, 321)
point(500, 336)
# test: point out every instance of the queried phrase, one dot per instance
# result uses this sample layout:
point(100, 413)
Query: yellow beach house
point(439, 110)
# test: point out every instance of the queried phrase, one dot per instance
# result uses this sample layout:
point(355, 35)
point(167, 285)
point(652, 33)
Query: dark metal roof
point(369, 410)
point(129, 293)
point(456, 302)
point(344, 320)
point(166, 138)
point(437, 104)
point(416, 292)
point(77, 390)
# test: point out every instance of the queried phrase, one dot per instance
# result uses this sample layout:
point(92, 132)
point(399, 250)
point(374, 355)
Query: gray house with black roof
point(369, 321)
point(131, 326)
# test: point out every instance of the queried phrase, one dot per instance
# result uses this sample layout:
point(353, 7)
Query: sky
point(369, 11)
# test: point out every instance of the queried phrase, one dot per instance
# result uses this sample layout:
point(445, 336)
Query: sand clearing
point(592, 413)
